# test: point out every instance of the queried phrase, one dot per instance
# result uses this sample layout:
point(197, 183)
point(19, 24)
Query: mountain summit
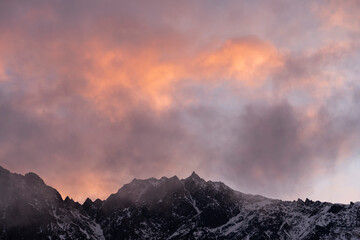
point(166, 208)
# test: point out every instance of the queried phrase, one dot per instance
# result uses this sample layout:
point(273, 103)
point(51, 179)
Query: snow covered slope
point(167, 208)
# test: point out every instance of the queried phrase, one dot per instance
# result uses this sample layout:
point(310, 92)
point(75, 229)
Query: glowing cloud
point(95, 93)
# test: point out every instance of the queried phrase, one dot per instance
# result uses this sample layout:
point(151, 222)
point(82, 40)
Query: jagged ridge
point(166, 208)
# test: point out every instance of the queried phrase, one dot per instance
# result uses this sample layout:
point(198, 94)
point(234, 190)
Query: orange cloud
point(150, 78)
point(142, 74)
point(249, 61)
point(343, 14)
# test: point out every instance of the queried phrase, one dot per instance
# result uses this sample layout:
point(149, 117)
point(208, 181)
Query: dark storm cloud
point(278, 148)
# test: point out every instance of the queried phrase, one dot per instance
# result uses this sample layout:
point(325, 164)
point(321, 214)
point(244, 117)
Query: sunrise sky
point(262, 95)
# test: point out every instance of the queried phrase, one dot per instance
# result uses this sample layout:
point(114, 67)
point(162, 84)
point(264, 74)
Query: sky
point(261, 95)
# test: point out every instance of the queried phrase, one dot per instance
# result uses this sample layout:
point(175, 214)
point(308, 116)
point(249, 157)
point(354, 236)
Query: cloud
point(314, 72)
point(340, 14)
point(94, 94)
point(278, 146)
point(248, 60)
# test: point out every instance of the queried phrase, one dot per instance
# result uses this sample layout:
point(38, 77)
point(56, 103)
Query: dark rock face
point(166, 208)
point(29, 209)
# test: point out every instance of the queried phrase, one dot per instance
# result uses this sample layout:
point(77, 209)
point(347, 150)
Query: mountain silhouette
point(166, 208)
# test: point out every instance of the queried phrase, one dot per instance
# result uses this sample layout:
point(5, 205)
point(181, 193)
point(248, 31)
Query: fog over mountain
point(166, 208)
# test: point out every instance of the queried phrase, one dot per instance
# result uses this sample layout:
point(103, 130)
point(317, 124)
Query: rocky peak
point(34, 178)
point(194, 176)
point(88, 201)
point(194, 182)
point(98, 202)
point(70, 202)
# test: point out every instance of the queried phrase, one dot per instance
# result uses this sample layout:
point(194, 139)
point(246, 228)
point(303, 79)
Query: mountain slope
point(29, 209)
point(167, 208)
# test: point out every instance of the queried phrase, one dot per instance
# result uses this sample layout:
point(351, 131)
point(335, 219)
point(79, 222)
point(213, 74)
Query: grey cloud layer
point(265, 145)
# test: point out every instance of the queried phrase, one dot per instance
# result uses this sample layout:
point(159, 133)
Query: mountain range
point(166, 208)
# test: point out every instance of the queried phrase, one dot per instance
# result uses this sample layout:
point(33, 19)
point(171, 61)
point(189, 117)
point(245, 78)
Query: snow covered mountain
point(166, 208)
